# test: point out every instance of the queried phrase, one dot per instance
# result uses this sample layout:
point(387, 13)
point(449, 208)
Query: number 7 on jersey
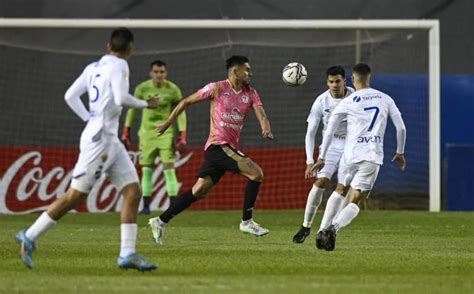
point(374, 118)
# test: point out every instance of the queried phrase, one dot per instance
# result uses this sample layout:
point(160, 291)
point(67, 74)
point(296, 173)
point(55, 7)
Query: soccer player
point(151, 145)
point(230, 100)
point(106, 82)
point(367, 111)
point(321, 110)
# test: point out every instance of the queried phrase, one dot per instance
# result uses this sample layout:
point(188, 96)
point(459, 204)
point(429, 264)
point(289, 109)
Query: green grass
point(204, 252)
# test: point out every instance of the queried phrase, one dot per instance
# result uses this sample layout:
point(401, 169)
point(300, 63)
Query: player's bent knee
point(342, 190)
point(356, 196)
point(202, 188)
point(132, 191)
point(322, 183)
point(256, 174)
point(168, 165)
point(200, 192)
point(257, 177)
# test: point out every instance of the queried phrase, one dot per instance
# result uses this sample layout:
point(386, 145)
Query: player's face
point(336, 85)
point(158, 74)
point(243, 74)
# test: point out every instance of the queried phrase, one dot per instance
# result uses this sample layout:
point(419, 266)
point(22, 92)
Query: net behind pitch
point(38, 65)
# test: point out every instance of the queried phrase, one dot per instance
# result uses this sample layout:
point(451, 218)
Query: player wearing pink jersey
point(230, 100)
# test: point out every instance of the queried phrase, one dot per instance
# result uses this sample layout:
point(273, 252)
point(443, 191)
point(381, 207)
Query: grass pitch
point(204, 252)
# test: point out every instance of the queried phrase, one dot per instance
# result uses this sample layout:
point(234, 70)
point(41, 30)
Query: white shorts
point(333, 162)
point(96, 158)
point(361, 175)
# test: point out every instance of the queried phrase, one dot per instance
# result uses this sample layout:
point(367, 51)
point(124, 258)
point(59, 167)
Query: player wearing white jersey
point(321, 111)
point(367, 111)
point(106, 82)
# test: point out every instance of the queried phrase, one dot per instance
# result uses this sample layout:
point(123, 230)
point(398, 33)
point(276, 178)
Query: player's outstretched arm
point(182, 105)
point(264, 122)
point(73, 97)
point(120, 87)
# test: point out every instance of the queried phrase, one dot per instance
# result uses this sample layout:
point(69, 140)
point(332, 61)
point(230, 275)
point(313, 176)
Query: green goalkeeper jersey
point(168, 96)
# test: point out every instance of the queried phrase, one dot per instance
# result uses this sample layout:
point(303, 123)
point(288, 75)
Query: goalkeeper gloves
point(126, 138)
point(181, 140)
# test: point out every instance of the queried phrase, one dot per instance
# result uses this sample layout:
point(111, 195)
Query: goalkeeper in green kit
point(151, 146)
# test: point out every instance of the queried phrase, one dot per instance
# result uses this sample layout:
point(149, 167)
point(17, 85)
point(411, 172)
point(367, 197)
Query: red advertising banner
point(31, 178)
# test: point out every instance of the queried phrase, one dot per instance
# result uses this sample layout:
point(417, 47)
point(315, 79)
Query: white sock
point(332, 207)
point(128, 239)
point(41, 225)
point(346, 216)
point(314, 199)
point(344, 203)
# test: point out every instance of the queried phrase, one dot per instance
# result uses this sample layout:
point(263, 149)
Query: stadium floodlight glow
point(283, 24)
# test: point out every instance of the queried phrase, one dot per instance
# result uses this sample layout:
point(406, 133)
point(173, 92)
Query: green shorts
point(163, 146)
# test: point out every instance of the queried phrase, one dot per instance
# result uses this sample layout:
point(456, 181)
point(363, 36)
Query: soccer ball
point(294, 74)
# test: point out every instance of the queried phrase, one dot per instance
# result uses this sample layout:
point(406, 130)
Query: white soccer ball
point(294, 74)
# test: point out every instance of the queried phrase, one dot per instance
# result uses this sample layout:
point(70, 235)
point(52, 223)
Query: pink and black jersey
point(228, 111)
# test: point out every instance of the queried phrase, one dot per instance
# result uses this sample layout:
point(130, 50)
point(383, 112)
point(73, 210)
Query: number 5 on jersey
point(97, 91)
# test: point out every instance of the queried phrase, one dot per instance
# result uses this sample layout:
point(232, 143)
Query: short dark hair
point(157, 63)
point(235, 60)
point(361, 69)
point(336, 70)
point(121, 40)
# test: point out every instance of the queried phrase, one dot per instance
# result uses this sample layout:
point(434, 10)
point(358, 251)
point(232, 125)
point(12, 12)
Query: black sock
point(181, 203)
point(251, 193)
point(173, 200)
point(146, 202)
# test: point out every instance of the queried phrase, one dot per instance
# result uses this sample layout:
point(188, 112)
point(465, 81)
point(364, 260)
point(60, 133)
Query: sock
point(146, 202)
point(128, 235)
point(315, 196)
point(147, 186)
point(346, 216)
point(332, 207)
point(181, 203)
point(171, 182)
point(344, 203)
point(251, 193)
point(40, 226)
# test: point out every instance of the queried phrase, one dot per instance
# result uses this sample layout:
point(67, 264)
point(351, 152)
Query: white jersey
point(107, 84)
point(321, 110)
point(367, 111)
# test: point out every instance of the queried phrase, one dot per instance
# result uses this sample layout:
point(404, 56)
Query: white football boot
point(158, 229)
point(251, 227)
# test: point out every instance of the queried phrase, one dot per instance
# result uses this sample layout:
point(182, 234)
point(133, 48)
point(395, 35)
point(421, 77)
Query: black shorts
point(218, 159)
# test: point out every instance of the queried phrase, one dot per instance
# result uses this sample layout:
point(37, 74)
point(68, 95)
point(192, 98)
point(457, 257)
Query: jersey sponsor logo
point(340, 136)
point(327, 110)
point(369, 139)
point(230, 125)
point(356, 99)
point(372, 97)
point(234, 115)
point(156, 96)
point(245, 99)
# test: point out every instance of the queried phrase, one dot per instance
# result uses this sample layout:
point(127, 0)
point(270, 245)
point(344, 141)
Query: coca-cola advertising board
point(33, 177)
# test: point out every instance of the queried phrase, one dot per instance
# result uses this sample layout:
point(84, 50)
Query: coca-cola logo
point(27, 187)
